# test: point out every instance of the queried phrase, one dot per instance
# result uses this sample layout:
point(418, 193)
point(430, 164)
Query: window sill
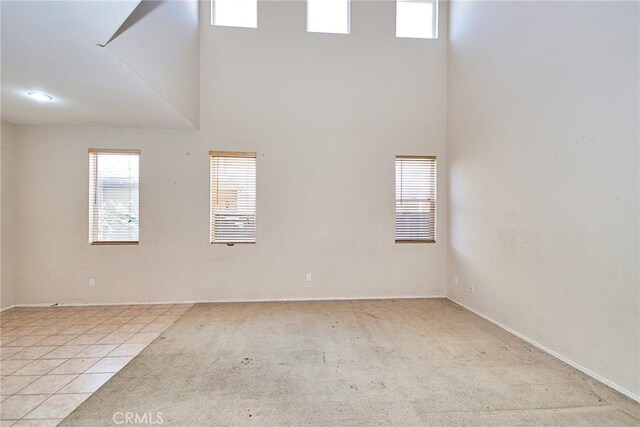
point(415, 241)
point(232, 243)
point(112, 243)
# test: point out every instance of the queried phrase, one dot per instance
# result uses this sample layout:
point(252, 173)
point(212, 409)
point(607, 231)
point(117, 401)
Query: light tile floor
point(54, 358)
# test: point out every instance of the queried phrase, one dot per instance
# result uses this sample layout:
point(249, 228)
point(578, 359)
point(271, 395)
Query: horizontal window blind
point(113, 196)
point(233, 197)
point(415, 199)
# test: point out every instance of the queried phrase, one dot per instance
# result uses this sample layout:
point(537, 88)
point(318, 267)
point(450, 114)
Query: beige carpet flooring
point(348, 363)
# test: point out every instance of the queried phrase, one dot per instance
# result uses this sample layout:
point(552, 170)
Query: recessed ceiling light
point(39, 96)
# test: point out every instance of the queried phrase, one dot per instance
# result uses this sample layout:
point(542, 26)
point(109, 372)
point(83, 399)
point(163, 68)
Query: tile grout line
point(72, 316)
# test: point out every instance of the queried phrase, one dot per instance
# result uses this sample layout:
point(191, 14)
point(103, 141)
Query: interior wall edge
point(8, 207)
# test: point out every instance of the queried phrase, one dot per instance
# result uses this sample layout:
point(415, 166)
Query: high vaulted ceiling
point(122, 63)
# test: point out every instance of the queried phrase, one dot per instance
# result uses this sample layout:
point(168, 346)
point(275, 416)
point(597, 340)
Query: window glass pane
point(233, 198)
point(328, 16)
point(415, 19)
point(113, 197)
point(415, 199)
point(235, 13)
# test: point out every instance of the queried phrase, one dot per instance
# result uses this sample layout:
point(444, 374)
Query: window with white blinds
point(114, 188)
point(233, 197)
point(415, 199)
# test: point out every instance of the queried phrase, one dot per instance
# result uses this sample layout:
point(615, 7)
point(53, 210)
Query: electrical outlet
point(308, 277)
point(455, 281)
point(92, 282)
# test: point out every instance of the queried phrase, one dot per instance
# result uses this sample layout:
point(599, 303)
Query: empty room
point(319, 213)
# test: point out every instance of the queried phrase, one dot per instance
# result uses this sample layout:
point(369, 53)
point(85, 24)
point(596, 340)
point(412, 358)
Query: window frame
point(232, 154)
point(434, 19)
point(348, 32)
point(435, 205)
point(97, 151)
point(213, 17)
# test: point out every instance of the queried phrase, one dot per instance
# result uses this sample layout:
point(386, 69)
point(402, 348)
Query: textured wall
point(544, 184)
point(326, 114)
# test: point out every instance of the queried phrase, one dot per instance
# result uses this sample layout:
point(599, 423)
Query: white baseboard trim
point(224, 300)
point(553, 353)
point(557, 355)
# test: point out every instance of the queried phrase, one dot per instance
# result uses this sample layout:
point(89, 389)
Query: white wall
point(159, 42)
point(326, 115)
point(8, 214)
point(544, 182)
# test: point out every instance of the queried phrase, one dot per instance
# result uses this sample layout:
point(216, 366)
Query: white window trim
point(231, 154)
point(326, 32)
point(212, 17)
point(92, 241)
point(434, 217)
point(434, 18)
